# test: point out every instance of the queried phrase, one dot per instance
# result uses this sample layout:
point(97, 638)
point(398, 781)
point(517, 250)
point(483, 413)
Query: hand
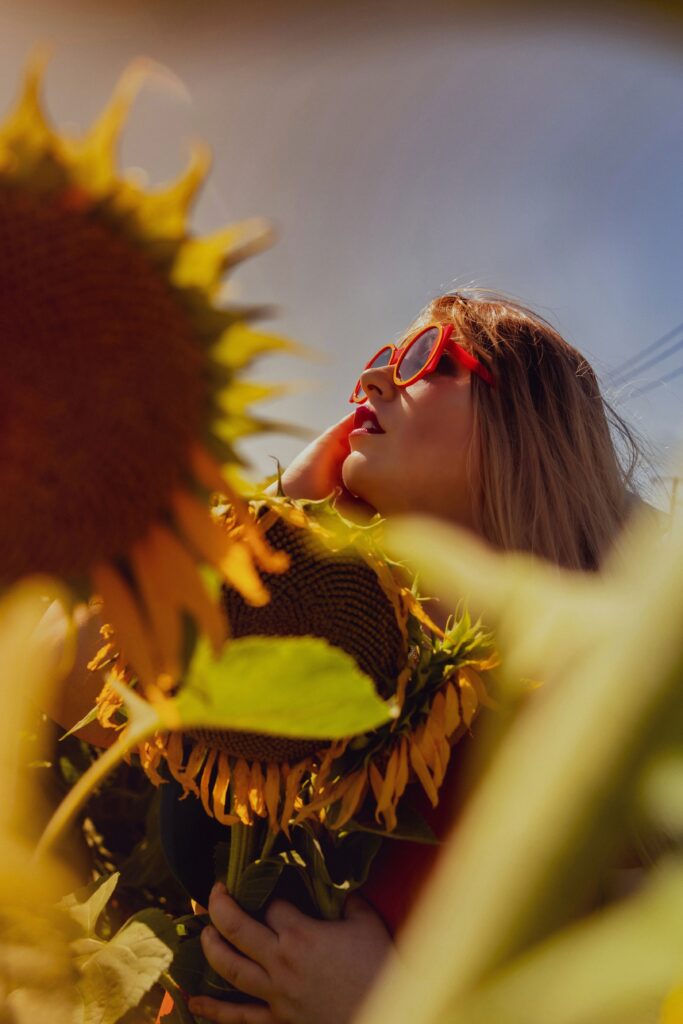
point(304, 970)
point(316, 471)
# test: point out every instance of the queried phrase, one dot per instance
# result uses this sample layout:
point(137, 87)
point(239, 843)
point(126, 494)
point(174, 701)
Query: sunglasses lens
point(381, 359)
point(417, 355)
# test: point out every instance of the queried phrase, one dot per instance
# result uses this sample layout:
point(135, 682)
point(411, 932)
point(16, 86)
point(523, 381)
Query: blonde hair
point(548, 477)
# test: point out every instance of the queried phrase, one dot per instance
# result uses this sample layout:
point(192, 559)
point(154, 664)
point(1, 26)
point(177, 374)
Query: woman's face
point(409, 445)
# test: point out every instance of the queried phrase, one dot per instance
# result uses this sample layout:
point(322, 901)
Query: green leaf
point(118, 974)
point(189, 964)
point(85, 905)
point(91, 716)
point(290, 686)
point(192, 973)
point(257, 882)
point(180, 1013)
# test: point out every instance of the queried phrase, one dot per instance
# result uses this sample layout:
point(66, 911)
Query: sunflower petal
point(182, 577)
point(422, 772)
point(220, 792)
point(468, 697)
point(452, 709)
point(205, 782)
point(272, 795)
point(229, 556)
point(353, 798)
point(292, 784)
point(240, 791)
point(121, 608)
point(257, 799)
point(163, 612)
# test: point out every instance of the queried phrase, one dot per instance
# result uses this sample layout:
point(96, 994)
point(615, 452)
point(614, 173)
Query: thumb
point(356, 907)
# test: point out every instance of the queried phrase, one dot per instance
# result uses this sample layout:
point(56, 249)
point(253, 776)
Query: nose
point(378, 381)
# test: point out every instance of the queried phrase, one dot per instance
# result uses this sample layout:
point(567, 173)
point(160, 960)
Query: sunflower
point(121, 395)
point(340, 586)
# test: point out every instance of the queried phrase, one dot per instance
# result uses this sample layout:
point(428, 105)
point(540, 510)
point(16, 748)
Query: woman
point(486, 417)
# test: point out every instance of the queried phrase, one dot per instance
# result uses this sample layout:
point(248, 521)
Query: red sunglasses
point(419, 356)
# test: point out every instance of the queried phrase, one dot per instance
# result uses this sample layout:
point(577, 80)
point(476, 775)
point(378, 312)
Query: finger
point(256, 940)
point(340, 430)
point(229, 1013)
point(282, 916)
point(241, 972)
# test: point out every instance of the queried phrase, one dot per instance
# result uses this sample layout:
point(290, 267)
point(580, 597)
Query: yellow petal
point(182, 577)
point(272, 792)
point(389, 784)
point(468, 697)
point(93, 158)
point(437, 714)
point(201, 262)
point(205, 782)
point(452, 709)
point(150, 757)
point(257, 799)
point(121, 609)
point(28, 126)
point(376, 782)
point(479, 688)
point(195, 761)
point(240, 791)
point(422, 772)
point(403, 771)
point(164, 213)
point(231, 558)
point(292, 784)
point(425, 741)
point(220, 791)
point(163, 612)
point(353, 798)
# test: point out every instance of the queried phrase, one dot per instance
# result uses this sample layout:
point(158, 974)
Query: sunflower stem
point(90, 780)
point(268, 844)
point(242, 847)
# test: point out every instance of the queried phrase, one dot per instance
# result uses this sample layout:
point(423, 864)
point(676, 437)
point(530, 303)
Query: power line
point(621, 379)
point(620, 370)
point(655, 384)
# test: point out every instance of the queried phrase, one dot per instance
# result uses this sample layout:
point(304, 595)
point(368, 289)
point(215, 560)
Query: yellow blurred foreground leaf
point(610, 648)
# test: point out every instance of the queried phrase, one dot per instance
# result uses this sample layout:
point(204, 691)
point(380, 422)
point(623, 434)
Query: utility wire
point(655, 384)
point(622, 379)
point(625, 366)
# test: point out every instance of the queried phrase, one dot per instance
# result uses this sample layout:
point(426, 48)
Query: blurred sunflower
point(340, 586)
point(120, 396)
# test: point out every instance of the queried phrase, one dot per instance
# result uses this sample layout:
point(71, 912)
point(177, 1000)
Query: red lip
point(364, 416)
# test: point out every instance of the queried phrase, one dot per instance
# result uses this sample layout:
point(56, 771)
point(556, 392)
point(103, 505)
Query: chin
point(364, 484)
point(357, 477)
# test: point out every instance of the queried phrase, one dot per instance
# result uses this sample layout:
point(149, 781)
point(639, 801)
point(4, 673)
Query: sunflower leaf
point(290, 686)
point(119, 972)
point(257, 882)
point(86, 904)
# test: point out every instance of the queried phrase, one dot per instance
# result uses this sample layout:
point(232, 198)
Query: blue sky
point(401, 152)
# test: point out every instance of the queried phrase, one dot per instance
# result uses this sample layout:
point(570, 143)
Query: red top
point(401, 867)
